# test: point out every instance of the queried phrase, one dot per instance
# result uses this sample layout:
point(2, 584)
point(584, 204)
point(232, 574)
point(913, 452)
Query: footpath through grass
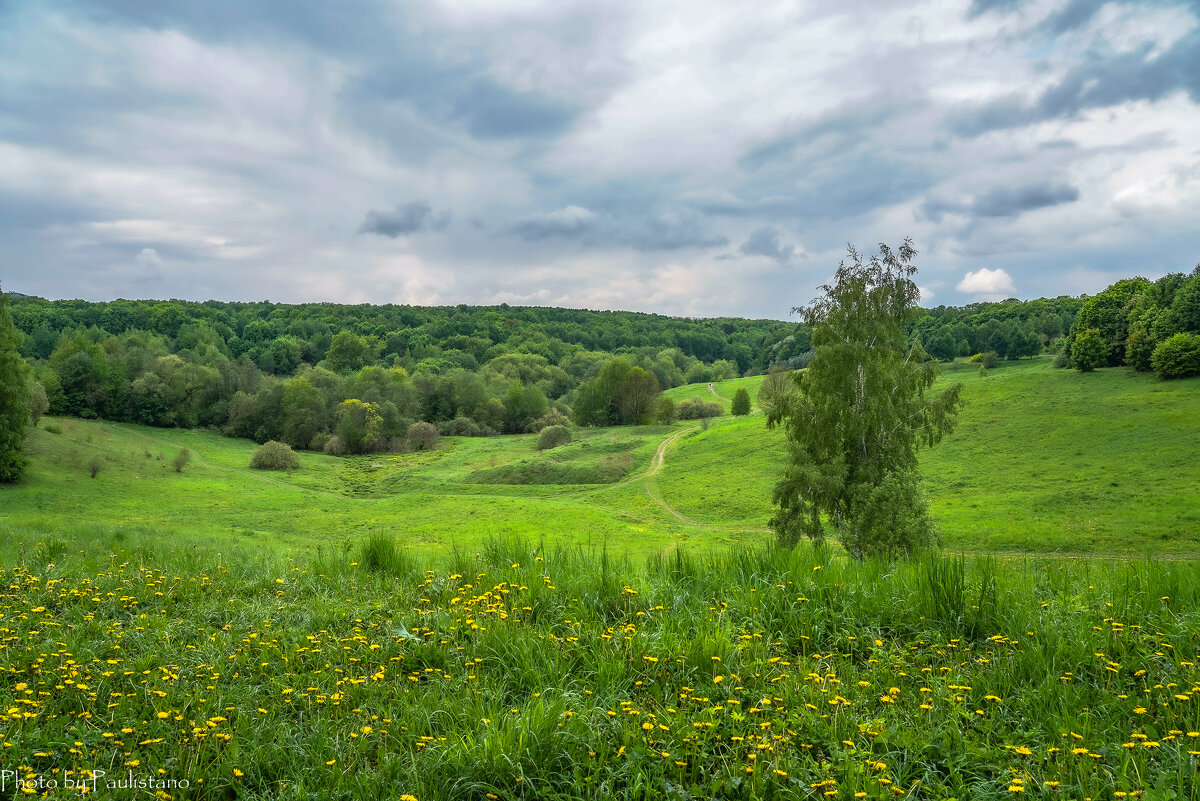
point(520, 673)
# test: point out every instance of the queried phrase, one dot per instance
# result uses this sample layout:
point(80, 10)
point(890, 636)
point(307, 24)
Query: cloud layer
point(670, 157)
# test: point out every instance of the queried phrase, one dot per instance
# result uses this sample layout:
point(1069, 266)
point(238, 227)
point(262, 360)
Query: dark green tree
point(741, 402)
point(14, 398)
point(1089, 350)
point(859, 414)
point(1178, 356)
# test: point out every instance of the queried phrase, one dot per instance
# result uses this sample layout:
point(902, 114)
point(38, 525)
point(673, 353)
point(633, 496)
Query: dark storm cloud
point(1100, 82)
point(765, 242)
point(408, 218)
point(1003, 201)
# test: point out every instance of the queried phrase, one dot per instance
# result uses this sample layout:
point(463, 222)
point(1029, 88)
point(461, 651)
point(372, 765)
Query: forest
point(352, 379)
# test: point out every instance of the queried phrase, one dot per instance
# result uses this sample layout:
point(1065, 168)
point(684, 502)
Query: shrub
point(553, 417)
point(552, 437)
point(181, 459)
point(317, 443)
point(95, 465)
point(696, 409)
point(52, 428)
point(335, 446)
point(274, 455)
point(422, 436)
point(1178, 356)
point(989, 359)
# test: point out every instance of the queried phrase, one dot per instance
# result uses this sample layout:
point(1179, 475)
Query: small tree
point(39, 404)
point(741, 402)
point(1139, 348)
point(181, 459)
point(859, 414)
point(274, 455)
point(664, 410)
point(552, 437)
point(95, 465)
point(422, 436)
point(1089, 350)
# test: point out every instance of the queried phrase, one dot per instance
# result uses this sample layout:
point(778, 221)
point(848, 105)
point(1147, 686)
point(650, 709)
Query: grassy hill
point(1042, 460)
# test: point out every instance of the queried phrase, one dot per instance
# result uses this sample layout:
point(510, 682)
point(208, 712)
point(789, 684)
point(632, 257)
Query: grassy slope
point(1042, 460)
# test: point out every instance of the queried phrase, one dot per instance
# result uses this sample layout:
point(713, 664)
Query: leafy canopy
point(859, 413)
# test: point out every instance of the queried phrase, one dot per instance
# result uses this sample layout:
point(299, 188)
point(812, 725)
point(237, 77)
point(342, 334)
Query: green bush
point(1178, 356)
point(552, 437)
point(696, 409)
point(273, 455)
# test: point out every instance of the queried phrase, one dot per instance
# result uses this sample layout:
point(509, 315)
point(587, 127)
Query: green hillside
point(1042, 460)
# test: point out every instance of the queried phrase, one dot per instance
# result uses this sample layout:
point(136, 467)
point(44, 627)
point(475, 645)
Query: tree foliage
point(552, 437)
point(14, 399)
point(1089, 350)
point(741, 402)
point(859, 413)
point(1178, 356)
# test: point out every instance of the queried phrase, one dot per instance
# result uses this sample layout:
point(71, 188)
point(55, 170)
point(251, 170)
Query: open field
point(521, 673)
point(1043, 460)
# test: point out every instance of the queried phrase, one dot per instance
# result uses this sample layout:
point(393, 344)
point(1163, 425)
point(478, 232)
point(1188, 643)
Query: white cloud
point(987, 284)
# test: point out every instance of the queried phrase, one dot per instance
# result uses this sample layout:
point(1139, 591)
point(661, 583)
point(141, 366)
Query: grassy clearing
point(520, 672)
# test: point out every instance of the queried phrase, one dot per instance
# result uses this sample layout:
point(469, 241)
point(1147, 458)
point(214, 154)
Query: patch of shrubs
point(1177, 356)
point(696, 409)
point(273, 455)
point(552, 437)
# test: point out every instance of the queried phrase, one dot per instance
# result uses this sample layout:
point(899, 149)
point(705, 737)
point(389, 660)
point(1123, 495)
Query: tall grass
point(516, 670)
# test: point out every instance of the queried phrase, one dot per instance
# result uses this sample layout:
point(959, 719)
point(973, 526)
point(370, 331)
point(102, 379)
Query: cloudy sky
point(697, 157)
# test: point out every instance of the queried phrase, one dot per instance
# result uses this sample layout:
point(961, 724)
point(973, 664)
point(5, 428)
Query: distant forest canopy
point(354, 378)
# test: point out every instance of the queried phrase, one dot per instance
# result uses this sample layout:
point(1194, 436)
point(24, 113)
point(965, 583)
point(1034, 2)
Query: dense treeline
point(1011, 328)
point(355, 378)
point(1148, 325)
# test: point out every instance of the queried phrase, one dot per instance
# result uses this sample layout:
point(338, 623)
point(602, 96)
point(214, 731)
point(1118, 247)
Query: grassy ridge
point(522, 673)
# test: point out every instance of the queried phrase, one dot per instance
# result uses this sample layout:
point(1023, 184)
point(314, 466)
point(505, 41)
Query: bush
point(422, 436)
point(335, 446)
point(1178, 356)
point(52, 428)
point(181, 459)
point(319, 440)
point(1139, 349)
point(696, 409)
point(95, 465)
point(553, 417)
point(274, 455)
point(552, 437)
point(989, 359)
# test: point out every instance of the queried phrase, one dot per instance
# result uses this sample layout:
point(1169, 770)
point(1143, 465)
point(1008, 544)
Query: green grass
point(1042, 460)
point(525, 672)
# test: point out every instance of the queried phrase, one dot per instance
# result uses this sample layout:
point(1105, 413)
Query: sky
point(698, 158)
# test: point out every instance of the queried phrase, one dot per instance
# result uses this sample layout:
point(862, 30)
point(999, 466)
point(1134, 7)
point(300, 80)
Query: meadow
point(1042, 461)
point(608, 619)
